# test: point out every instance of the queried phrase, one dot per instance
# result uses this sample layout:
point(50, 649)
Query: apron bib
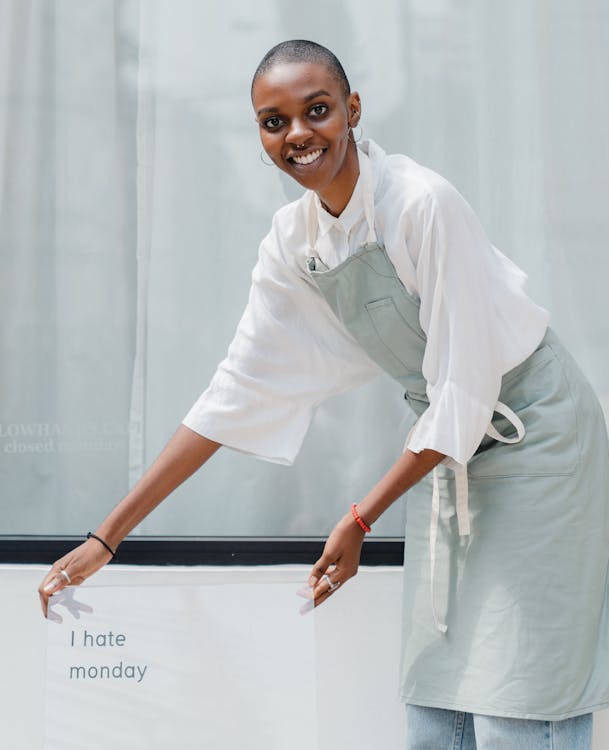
point(506, 560)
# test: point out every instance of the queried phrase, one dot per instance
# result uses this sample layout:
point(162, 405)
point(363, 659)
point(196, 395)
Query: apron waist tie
point(461, 498)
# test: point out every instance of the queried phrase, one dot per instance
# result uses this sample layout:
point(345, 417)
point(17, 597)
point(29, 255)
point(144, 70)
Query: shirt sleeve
point(464, 362)
point(289, 353)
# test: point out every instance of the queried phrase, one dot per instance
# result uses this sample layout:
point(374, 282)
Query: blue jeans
point(439, 729)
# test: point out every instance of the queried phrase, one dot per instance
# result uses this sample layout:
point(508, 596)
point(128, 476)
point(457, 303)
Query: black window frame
point(25, 549)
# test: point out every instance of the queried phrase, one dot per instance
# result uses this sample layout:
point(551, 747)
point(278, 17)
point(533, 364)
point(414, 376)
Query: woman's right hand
point(184, 454)
point(79, 564)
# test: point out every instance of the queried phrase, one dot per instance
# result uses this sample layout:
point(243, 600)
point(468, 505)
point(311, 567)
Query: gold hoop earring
point(266, 163)
point(350, 134)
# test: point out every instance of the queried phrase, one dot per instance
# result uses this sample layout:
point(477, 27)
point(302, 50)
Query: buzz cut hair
point(303, 51)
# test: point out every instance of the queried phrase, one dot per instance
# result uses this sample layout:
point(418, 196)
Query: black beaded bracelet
point(91, 535)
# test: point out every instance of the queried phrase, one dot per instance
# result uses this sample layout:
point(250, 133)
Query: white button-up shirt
point(290, 352)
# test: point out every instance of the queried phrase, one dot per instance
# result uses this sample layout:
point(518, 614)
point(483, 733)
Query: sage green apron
point(511, 617)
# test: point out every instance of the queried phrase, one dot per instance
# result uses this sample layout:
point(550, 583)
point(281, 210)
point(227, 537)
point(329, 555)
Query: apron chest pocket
point(397, 345)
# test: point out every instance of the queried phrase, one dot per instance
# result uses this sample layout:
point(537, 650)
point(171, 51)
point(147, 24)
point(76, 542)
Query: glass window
point(133, 200)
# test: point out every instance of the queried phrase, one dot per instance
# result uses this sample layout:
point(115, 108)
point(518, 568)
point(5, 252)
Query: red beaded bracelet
point(359, 520)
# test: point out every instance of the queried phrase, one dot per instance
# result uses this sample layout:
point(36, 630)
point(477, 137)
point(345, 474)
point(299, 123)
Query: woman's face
point(304, 119)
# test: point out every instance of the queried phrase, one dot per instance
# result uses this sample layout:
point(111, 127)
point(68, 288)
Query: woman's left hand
point(339, 560)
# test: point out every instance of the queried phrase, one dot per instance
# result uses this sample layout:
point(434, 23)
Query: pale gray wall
point(363, 619)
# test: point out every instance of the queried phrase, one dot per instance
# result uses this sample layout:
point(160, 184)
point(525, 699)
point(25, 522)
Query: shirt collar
point(354, 210)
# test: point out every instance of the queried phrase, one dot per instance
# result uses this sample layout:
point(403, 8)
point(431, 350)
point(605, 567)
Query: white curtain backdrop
point(132, 201)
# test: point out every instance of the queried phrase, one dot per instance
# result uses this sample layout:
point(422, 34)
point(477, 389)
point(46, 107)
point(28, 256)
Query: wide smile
point(304, 160)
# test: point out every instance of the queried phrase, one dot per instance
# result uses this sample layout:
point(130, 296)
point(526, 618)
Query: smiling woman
point(382, 265)
point(306, 113)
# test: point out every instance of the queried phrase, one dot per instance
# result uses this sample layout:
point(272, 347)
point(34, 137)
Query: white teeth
point(309, 158)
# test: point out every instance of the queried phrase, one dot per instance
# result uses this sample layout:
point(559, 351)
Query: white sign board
point(190, 667)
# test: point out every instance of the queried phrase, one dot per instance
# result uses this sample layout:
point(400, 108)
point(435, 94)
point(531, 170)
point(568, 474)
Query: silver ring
point(66, 575)
point(331, 586)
